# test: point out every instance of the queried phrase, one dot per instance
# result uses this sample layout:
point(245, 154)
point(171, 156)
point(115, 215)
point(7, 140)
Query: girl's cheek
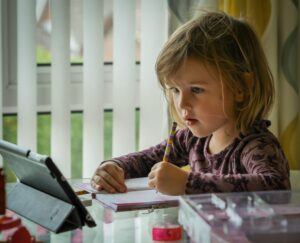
point(176, 102)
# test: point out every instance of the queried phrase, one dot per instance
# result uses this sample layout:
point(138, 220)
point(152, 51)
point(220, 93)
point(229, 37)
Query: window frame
point(9, 37)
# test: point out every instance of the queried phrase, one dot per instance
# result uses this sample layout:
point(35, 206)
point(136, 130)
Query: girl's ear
point(239, 94)
point(249, 79)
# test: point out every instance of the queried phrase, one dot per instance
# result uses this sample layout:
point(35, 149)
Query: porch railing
point(91, 87)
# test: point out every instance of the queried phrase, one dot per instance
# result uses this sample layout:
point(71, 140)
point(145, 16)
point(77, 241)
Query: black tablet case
point(42, 193)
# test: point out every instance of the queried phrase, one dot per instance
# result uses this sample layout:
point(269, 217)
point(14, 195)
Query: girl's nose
point(183, 102)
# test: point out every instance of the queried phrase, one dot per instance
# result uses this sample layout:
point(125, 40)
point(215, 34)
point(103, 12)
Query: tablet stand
point(43, 209)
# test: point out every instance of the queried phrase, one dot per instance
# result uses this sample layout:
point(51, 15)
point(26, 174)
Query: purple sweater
point(253, 162)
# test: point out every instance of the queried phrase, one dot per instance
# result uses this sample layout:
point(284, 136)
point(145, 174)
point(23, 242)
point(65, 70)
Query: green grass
point(9, 134)
point(43, 56)
point(44, 133)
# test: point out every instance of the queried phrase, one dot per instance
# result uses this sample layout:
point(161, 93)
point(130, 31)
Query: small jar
point(165, 227)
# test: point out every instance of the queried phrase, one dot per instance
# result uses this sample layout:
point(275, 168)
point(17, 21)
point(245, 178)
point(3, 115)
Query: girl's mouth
point(190, 122)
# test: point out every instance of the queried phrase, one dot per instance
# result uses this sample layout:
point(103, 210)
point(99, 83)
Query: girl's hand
point(109, 177)
point(168, 178)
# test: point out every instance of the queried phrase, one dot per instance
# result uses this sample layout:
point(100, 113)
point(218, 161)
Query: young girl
point(219, 88)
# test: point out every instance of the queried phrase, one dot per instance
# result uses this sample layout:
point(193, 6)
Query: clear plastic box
point(241, 217)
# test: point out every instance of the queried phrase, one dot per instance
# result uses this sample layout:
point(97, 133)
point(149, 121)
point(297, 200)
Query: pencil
point(81, 192)
point(169, 143)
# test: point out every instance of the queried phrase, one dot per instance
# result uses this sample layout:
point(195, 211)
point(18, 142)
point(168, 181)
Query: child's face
point(201, 99)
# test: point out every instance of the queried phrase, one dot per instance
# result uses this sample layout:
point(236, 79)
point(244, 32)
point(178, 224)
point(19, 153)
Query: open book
point(138, 196)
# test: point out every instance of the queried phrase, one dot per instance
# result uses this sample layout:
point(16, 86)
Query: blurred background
point(78, 80)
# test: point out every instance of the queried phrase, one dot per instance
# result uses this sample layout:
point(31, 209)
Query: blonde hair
point(230, 45)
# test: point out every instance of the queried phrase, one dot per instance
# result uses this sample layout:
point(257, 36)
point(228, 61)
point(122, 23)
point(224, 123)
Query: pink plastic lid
point(166, 233)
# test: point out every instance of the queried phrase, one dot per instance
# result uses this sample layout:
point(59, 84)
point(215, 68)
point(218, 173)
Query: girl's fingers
point(151, 179)
point(153, 171)
point(96, 186)
point(117, 173)
point(96, 179)
point(151, 183)
point(109, 177)
point(151, 175)
point(95, 182)
point(107, 180)
point(106, 186)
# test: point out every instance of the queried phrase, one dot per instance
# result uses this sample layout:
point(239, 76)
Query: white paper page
point(133, 199)
point(135, 184)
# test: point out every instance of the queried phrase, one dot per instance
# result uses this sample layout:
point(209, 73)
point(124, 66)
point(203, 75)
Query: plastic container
point(165, 227)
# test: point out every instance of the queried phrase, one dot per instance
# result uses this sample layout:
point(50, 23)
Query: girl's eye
point(197, 90)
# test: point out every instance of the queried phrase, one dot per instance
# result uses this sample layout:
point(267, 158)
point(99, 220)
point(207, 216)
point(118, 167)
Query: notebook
point(138, 196)
point(42, 194)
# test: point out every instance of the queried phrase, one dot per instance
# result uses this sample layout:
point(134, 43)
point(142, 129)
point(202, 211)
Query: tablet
point(42, 194)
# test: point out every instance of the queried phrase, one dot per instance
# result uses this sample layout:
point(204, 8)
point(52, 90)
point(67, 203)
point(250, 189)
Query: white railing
point(60, 88)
